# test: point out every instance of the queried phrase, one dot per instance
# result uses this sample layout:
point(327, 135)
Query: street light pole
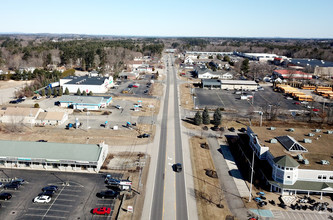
point(250, 197)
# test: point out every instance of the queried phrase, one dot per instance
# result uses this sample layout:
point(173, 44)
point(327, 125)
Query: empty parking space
point(290, 215)
point(74, 199)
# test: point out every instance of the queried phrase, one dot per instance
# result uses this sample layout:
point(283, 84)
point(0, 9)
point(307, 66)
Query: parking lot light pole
point(250, 196)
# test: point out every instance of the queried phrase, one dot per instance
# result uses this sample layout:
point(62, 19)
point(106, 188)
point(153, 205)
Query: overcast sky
point(219, 18)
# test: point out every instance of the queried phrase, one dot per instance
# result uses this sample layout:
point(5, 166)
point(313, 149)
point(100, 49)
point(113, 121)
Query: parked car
point(50, 188)
point(144, 135)
point(1, 184)
point(13, 102)
point(232, 129)
point(35, 97)
point(108, 194)
point(5, 196)
point(118, 106)
point(12, 186)
point(46, 193)
point(101, 211)
point(177, 167)
point(42, 199)
point(315, 110)
point(18, 181)
point(297, 103)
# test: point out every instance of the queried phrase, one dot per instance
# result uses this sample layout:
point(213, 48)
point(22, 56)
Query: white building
point(188, 60)
point(239, 85)
point(292, 176)
point(84, 102)
point(87, 83)
point(227, 75)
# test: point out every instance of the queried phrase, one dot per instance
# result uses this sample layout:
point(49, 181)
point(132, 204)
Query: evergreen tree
point(205, 117)
point(66, 91)
point(197, 118)
point(84, 93)
point(49, 92)
point(217, 117)
point(245, 66)
point(60, 92)
point(55, 91)
point(43, 92)
point(78, 92)
point(90, 93)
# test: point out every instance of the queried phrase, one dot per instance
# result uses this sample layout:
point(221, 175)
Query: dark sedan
point(108, 194)
point(5, 196)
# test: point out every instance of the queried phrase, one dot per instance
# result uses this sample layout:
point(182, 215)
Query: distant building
point(87, 83)
point(84, 102)
point(170, 50)
point(291, 74)
point(261, 57)
point(144, 68)
point(239, 85)
point(188, 60)
point(52, 156)
point(129, 75)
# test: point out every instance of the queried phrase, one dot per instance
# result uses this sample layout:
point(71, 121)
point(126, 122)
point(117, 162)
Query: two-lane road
point(169, 195)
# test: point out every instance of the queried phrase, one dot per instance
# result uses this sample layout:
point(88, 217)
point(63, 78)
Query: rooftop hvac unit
point(317, 130)
point(272, 128)
point(306, 161)
point(311, 134)
point(273, 141)
point(307, 141)
point(324, 162)
point(299, 157)
point(291, 129)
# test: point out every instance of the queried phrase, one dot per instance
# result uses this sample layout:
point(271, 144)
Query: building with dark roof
point(87, 83)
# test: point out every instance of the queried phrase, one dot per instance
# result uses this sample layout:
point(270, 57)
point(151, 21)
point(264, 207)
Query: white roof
point(238, 82)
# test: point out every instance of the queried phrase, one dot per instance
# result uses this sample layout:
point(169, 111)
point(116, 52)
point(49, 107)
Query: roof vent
point(311, 134)
point(300, 157)
point(306, 161)
point(317, 130)
point(307, 141)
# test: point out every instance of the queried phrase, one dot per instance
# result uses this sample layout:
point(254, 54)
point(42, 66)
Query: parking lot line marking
point(65, 194)
point(62, 205)
point(52, 216)
point(69, 190)
point(53, 202)
point(56, 210)
point(220, 99)
point(36, 209)
point(70, 200)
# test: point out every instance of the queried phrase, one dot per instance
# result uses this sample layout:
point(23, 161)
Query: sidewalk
point(227, 182)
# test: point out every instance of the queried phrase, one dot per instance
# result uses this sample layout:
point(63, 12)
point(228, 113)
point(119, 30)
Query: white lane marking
point(52, 216)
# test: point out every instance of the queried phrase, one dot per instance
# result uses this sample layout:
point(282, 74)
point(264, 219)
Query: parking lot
point(231, 101)
point(75, 198)
point(134, 91)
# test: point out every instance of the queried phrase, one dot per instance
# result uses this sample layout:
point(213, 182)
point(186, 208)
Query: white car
point(42, 199)
point(118, 106)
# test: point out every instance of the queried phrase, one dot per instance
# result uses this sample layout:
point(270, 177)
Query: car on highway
point(42, 141)
point(42, 199)
point(144, 135)
point(108, 194)
point(5, 196)
point(101, 211)
point(12, 186)
point(177, 167)
point(50, 188)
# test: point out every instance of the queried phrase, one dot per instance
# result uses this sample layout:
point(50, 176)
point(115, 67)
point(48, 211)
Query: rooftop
point(86, 80)
point(320, 148)
point(311, 62)
point(83, 99)
point(52, 151)
point(51, 116)
point(239, 82)
point(15, 111)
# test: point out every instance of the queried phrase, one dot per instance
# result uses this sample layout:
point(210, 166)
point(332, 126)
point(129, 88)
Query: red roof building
point(292, 74)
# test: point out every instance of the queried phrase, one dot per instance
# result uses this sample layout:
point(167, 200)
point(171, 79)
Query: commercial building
point(52, 156)
point(290, 167)
point(85, 102)
point(129, 75)
point(19, 115)
point(87, 83)
point(211, 83)
point(239, 85)
point(261, 57)
point(51, 118)
point(291, 74)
